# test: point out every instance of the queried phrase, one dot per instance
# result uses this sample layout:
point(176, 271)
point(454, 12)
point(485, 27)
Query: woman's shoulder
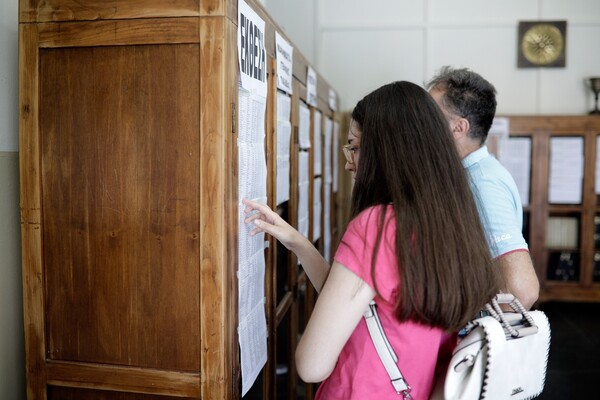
point(368, 223)
point(371, 215)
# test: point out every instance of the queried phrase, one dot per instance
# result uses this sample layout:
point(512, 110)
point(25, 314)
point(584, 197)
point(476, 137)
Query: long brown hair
point(408, 161)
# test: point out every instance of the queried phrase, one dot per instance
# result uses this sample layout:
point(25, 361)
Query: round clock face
point(542, 44)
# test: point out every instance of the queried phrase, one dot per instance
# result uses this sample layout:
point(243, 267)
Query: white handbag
point(503, 355)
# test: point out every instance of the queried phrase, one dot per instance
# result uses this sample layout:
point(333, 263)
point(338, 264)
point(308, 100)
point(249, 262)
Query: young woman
point(414, 244)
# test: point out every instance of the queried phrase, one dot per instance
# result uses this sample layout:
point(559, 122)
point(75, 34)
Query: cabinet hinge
point(233, 118)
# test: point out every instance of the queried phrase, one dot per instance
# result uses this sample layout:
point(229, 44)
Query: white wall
point(359, 46)
point(297, 18)
point(12, 353)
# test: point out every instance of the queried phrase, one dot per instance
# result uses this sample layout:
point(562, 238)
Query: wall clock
point(542, 44)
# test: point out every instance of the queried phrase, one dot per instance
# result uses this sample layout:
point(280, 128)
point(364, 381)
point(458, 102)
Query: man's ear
point(461, 128)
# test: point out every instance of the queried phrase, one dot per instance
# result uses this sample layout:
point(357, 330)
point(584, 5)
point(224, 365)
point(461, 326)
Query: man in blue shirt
point(469, 103)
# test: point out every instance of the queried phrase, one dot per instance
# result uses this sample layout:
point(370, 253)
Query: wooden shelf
point(541, 129)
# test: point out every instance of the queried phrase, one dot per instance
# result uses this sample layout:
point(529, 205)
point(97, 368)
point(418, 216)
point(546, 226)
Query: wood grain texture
point(269, 371)
point(120, 168)
point(119, 32)
point(76, 393)
point(91, 10)
point(123, 379)
point(30, 205)
point(218, 193)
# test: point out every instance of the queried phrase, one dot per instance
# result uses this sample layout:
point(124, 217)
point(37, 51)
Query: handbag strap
point(385, 351)
point(508, 320)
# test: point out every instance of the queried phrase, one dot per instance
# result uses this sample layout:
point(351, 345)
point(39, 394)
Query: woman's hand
point(268, 221)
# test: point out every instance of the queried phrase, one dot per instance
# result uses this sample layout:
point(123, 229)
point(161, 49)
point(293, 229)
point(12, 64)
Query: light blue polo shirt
point(498, 202)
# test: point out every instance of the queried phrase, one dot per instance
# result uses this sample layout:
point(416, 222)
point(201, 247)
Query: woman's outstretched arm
point(268, 221)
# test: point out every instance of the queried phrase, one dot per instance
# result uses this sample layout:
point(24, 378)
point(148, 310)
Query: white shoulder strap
point(385, 351)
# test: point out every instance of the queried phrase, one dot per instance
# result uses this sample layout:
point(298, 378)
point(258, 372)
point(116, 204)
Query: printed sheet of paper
point(332, 99)
point(317, 142)
point(284, 52)
point(304, 126)
point(497, 135)
point(252, 340)
point(252, 184)
point(566, 170)
point(327, 167)
point(303, 191)
point(515, 155)
point(317, 183)
point(303, 168)
point(252, 55)
point(284, 131)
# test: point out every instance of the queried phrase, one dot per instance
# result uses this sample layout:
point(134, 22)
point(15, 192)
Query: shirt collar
point(475, 156)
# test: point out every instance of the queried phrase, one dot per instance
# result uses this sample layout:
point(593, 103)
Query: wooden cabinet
point(129, 201)
point(564, 237)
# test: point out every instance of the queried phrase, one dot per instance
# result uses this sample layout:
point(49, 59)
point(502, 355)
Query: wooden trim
point(570, 292)
point(92, 10)
point(588, 203)
point(558, 125)
point(311, 173)
point(119, 32)
point(110, 18)
point(30, 204)
point(540, 145)
point(218, 253)
point(293, 269)
point(230, 208)
point(127, 379)
point(225, 8)
point(284, 306)
point(269, 371)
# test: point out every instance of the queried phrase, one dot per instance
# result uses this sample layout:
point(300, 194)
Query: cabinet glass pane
point(596, 267)
point(256, 392)
point(565, 183)
point(284, 358)
point(596, 273)
point(562, 243)
point(526, 228)
point(302, 389)
point(597, 183)
point(563, 266)
point(515, 156)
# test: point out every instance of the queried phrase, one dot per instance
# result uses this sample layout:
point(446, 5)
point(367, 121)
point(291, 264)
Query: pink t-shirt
point(359, 373)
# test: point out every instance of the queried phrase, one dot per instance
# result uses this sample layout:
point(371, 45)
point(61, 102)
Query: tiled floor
point(574, 363)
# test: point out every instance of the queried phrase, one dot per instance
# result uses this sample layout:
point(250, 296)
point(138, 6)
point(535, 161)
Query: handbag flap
point(516, 367)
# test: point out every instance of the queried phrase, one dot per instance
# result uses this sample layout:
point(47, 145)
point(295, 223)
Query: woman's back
point(359, 373)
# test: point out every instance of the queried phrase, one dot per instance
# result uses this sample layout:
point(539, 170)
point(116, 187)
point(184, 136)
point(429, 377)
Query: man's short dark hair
point(467, 95)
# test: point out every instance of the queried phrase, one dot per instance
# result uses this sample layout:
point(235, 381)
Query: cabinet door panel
point(119, 130)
